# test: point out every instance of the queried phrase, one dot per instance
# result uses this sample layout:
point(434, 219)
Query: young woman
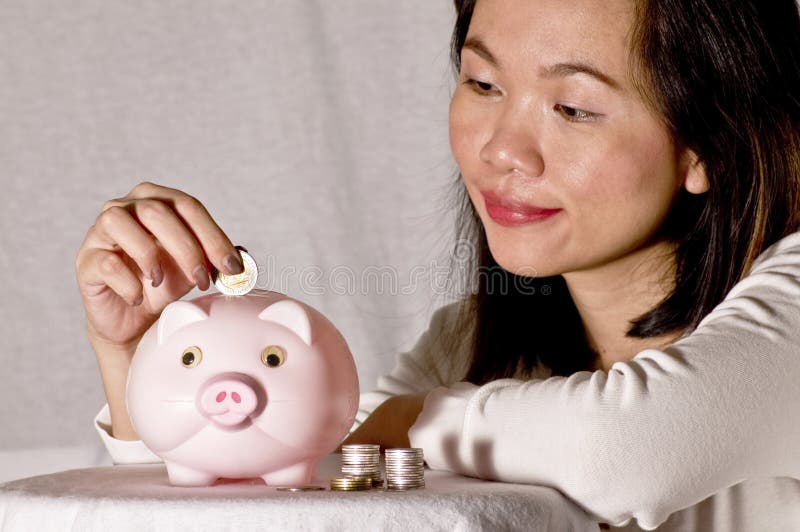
point(631, 170)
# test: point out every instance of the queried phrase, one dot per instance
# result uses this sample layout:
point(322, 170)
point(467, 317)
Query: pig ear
point(291, 315)
point(176, 315)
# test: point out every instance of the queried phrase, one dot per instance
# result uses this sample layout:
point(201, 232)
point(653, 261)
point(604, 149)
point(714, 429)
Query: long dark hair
point(724, 75)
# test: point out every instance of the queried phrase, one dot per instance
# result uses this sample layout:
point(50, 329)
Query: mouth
point(510, 213)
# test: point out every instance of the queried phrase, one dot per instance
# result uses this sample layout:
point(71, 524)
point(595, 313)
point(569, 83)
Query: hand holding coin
point(144, 251)
point(239, 284)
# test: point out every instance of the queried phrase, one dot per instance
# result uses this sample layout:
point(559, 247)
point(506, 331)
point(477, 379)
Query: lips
point(508, 212)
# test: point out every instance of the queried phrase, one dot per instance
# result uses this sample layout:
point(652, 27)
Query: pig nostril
point(236, 398)
point(220, 397)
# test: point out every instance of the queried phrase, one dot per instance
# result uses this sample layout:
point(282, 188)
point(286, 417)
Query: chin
point(522, 260)
point(528, 251)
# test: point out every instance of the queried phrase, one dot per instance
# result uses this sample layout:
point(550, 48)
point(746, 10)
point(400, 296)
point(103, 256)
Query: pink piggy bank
point(259, 385)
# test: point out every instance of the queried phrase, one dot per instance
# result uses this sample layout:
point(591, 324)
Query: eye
point(576, 115)
point(273, 356)
point(191, 357)
point(481, 87)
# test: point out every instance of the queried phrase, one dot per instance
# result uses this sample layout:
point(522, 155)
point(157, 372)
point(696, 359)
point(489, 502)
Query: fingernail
point(139, 300)
point(201, 277)
point(157, 276)
point(233, 265)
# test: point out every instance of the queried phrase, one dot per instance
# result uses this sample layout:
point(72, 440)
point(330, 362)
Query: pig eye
point(272, 356)
point(191, 356)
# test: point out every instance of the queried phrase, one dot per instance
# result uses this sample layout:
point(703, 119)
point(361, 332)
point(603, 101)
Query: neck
point(609, 296)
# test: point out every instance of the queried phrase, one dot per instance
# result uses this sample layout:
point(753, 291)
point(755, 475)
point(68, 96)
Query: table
point(139, 498)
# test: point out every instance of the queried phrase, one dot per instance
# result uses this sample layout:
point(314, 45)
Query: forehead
point(528, 33)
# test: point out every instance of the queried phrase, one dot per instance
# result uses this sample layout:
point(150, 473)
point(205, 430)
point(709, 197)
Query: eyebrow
point(559, 70)
point(562, 70)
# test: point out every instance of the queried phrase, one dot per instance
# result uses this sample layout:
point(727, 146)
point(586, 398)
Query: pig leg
point(299, 474)
point(183, 476)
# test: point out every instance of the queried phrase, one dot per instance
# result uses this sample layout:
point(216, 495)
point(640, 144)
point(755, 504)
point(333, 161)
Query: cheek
point(632, 183)
point(465, 133)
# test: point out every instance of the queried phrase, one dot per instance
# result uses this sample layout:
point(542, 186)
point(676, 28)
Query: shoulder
point(785, 251)
point(448, 341)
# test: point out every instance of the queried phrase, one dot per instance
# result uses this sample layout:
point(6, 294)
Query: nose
point(514, 145)
point(228, 400)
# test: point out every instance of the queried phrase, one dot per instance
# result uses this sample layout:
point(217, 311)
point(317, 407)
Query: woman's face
point(545, 115)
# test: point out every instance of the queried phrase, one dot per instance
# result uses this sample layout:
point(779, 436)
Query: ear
point(695, 179)
point(176, 315)
point(291, 315)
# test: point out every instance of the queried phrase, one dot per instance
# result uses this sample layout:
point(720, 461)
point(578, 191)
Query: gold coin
point(299, 488)
point(359, 488)
point(351, 483)
point(239, 284)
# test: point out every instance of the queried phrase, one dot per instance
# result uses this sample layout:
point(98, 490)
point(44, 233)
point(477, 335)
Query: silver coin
point(395, 450)
point(239, 284)
point(390, 487)
point(360, 447)
point(410, 482)
point(300, 488)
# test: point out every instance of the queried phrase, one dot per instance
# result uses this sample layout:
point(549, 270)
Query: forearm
point(388, 424)
point(114, 362)
point(656, 434)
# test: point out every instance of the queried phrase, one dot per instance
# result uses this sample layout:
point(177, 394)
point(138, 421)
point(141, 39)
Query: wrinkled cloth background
point(314, 132)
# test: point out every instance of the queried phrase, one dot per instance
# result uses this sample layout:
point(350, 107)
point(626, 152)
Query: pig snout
point(228, 399)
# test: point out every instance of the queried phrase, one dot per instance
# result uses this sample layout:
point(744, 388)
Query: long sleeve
point(122, 451)
point(427, 365)
point(656, 434)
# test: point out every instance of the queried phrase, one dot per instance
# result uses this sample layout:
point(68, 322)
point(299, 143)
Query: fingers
point(102, 267)
point(160, 220)
point(119, 229)
point(213, 242)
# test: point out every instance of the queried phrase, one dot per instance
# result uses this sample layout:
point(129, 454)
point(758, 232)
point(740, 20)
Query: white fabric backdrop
point(314, 131)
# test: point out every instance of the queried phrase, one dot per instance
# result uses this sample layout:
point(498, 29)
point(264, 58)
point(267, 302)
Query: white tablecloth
point(140, 498)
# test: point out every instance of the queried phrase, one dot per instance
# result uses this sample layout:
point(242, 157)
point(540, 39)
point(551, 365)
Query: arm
point(114, 363)
point(658, 433)
point(112, 423)
point(427, 365)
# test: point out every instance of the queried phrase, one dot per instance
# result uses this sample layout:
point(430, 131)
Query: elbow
point(614, 486)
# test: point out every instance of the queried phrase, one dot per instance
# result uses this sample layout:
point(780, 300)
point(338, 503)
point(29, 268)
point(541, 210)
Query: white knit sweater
point(702, 435)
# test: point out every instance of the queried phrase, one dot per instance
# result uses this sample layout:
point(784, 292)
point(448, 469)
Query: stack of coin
point(404, 469)
point(351, 484)
point(362, 460)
